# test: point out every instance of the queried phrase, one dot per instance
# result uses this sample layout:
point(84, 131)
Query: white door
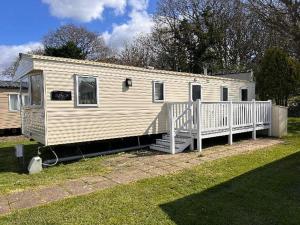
point(194, 95)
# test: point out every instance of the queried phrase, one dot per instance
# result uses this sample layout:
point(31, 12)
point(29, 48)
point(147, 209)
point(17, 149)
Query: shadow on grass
point(294, 128)
point(267, 195)
point(10, 163)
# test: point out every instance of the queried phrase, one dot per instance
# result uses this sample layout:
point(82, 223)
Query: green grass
point(262, 187)
point(14, 177)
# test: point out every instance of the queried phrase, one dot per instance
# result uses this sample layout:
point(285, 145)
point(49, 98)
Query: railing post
point(190, 117)
point(199, 134)
point(230, 122)
point(270, 122)
point(172, 131)
point(254, 119)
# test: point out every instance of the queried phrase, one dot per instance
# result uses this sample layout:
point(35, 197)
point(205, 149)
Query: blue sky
point(23, 23)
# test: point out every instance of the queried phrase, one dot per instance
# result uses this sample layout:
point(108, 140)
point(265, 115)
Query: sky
point(23, 23)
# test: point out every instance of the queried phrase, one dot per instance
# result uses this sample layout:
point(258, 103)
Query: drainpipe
point(205, 70)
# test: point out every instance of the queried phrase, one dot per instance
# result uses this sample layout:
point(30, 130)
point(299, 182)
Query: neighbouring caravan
point(10, 103)
point(74, 101)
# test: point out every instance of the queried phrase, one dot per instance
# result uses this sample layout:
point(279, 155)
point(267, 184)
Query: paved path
point(126, 168)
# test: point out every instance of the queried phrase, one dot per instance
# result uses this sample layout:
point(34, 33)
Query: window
point(224, 94)
point(14, 102)
point(195, 92)
point(25, 100)
point(158, 91)
point(36, 90)
point(244, 94)
point(86, 87)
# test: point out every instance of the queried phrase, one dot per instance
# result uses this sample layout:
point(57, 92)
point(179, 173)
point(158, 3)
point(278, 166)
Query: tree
point(138, 53)
point(10, 70)
point(278, 76)
point(223, 35)
point(69, 50)
point(244, 36)
point(282, 16)
point(187, 32)
point(91, 44)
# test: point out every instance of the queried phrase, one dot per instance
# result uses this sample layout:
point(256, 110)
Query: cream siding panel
point(122, 112)
point(33, 124)
point(8, 119)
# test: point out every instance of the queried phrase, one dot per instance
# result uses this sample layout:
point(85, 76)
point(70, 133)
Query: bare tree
point(91, 43)
point(10, 70)
point(138, 53)
point(282, 16)
point(245, 36)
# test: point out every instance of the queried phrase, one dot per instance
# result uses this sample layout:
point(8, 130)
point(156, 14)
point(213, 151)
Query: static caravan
point(10, 104)
point(73, 101)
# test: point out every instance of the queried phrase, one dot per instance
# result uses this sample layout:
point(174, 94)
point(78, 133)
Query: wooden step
point(167, 142)
point(162, 148)
point(177, 138)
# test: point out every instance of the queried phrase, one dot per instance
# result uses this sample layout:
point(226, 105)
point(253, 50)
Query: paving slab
point(94, 179)
point(78, 187)
point(25, 199)
point(4, 206)
point(54, 193)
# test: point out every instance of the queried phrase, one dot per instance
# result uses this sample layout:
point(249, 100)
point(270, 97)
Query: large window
point(158, 91)
point(14, 102)
point(36, 90)
point(244, 94)
point(224, 94)
point(86, 91)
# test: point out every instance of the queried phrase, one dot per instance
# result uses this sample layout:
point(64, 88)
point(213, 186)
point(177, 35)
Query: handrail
point(182, 114)
point(217, 116)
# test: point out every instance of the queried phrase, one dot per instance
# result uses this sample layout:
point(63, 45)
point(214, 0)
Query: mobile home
point(72, 101)
point(10, 103)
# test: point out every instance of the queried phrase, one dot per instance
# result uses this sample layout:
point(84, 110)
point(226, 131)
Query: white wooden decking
point(200, 120)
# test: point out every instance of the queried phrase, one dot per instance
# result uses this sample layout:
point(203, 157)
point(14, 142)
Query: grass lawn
point(261, 187)
point(14, 177)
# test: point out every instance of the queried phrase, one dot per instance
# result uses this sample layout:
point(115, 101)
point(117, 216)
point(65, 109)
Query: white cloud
point(140, 22)
point(138, 4)
point(10, 52)
point(88, 10)
point(83, 10)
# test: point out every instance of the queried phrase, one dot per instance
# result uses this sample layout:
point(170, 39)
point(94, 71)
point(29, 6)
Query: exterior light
point(128, 82)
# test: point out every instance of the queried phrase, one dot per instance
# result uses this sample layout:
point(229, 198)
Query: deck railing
point(208, 119)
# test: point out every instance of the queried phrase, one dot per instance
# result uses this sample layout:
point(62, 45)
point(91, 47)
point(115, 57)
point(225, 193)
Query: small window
point(158, 91)
point(14, 102)
point(86, 91)
point(224, 94)
point(244, 94)
point(36, 90)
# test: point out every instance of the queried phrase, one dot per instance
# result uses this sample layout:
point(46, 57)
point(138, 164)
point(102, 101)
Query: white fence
point(209, 119)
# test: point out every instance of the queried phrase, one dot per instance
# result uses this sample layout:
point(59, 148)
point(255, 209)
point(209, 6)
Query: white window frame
point(77, 91)
point(244, 88)
point(42, 91)
point(23, 99)
point(9, 106)
point(191, 91)
point(221, 95)
point(153, 91)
